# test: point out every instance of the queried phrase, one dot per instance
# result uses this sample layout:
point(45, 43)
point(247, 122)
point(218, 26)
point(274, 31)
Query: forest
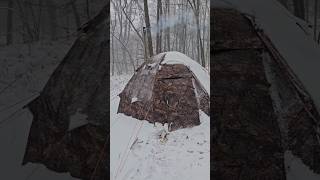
point(77, 76)
point(140, 30)
point(308, 11)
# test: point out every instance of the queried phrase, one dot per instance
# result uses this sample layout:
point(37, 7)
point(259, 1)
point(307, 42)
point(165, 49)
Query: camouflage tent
point(69, 129)
point(165, 93)
point(261, 110)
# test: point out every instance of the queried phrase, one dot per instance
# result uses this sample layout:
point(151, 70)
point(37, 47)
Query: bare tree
point(9, 23)
point(26, 29)
point(159, 27)
point(52, 10)
point(148, 28)
point(299, 8)
point(75, 13)
point(168, 28)
point(175, 29)
point(315, 19)
point(126, 49)
point(284, 3)
point(88, 9)
point(195, 5)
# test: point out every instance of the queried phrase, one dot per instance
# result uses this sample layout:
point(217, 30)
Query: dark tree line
point(307, 10)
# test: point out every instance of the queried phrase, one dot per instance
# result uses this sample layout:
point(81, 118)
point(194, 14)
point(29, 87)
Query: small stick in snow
point(135, 142)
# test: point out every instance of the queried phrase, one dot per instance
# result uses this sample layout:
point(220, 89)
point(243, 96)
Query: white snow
point(196, 92)
point(296, 170)
point(298, 48)
point(137, 152)
point(152, 65)
point(134, 99)
point(174, 57)
point(77, 120)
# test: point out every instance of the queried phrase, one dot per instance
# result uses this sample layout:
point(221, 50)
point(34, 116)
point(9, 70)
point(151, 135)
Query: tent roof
point(175, 57)
point(295, 45)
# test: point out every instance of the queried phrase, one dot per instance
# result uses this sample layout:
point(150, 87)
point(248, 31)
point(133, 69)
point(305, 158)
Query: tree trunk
point(158, 19)
point(9, 22)
point(38, 23)
point(307, 5)
point(88, 9)
point(148, 28)
point(184, 26)
point(284, 3)
point(198, 41)
point(53, 18)
point(145, 46)
point(27, 33)
point(168, 28)
point(315, 24)
point(76, 14)
point(299, 10)
point(159, 28)
point(195, 5)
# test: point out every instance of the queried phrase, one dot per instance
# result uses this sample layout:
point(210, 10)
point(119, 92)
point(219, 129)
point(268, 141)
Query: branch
point(139, 6)
point(131, 59)
point(135, 29)
point(191, 5)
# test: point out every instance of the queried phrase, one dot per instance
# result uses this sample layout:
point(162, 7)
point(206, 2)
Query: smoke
point(171, 21)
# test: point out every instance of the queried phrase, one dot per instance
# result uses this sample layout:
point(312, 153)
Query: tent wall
point(79, 84)
point(139, 87)
point(174, 97)
point(203, 97)
point(298, 120)
point(247, 140)
point(173, 90)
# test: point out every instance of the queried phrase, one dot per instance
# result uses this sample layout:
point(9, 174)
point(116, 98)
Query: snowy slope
point(137, 153)
point(24, 71)
point(298, 48)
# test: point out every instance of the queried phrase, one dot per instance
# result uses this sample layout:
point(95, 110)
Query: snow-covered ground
point(137, 152)
point(24, 70)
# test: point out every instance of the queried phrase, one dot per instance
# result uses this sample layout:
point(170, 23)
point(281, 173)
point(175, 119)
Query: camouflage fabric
point(164, 93)
point(79, 84)
point(246, 141)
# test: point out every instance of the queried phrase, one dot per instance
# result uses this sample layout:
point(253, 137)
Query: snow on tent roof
point(174, 57)
point(300, 51)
